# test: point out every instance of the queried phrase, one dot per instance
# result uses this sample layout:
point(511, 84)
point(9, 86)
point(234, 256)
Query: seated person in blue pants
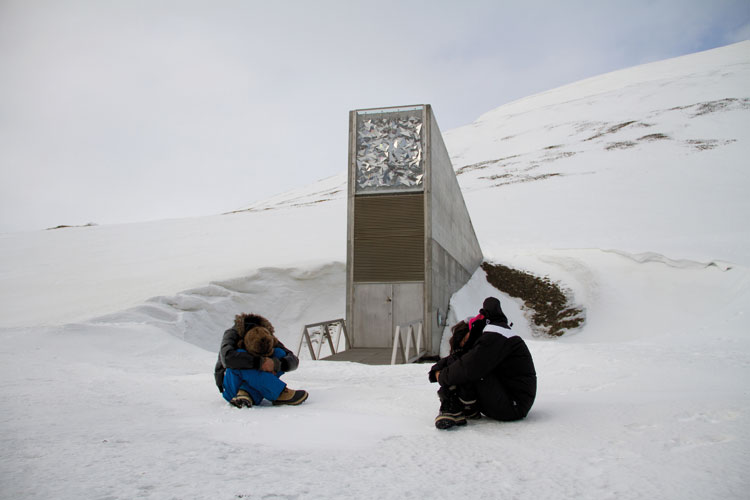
point(251, 360)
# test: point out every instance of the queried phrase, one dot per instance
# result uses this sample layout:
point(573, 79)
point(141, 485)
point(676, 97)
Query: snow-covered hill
point(629, 189)
point(666, 142)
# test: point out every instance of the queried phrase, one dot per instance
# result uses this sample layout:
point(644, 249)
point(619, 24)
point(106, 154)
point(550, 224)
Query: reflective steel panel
point(389, 152)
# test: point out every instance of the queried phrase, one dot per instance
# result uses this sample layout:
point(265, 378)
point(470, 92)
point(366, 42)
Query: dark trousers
point(492, 398)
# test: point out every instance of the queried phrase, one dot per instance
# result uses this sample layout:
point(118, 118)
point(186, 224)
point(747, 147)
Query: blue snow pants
point(258, 384)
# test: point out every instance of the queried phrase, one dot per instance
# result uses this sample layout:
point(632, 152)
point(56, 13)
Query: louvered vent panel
point(389, 238)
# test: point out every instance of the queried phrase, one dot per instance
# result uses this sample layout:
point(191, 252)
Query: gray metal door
point(372, 315)
point(408, 304)
point(379, 307)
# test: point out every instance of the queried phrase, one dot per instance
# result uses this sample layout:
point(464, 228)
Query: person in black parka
point(489, 371)
point(251, 362)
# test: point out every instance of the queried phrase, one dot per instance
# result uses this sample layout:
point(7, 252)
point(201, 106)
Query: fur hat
point(259, 341)
point(244, 322)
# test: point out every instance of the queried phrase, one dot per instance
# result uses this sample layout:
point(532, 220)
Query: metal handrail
point(325, 334)
point(410, 340)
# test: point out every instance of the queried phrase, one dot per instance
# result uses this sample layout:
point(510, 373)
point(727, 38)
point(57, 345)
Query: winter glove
point(272, 365)
point(276, 365)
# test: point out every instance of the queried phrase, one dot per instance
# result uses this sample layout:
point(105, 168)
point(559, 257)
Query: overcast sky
point(124, 111)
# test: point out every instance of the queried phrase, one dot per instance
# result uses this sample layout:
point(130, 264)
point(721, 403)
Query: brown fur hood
point(256, 334)
point(244, 322)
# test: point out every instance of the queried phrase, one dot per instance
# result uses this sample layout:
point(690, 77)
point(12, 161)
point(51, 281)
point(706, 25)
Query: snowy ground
point(108, 335)
point(645, 408)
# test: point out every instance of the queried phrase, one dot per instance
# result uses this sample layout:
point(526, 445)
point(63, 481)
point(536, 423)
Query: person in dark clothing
point(489, 371)
point(251, 360)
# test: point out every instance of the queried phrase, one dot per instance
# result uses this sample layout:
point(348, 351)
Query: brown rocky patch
point(552, 313)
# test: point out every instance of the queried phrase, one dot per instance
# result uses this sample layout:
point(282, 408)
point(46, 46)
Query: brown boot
point(242, 400)
point(290, 397)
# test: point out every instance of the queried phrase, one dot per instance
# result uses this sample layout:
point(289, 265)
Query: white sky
point(123, 111)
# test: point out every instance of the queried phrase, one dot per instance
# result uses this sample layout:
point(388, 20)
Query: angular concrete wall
point(454, 250)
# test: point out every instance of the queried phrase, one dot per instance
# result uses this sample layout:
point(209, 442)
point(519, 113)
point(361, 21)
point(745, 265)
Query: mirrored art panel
point(389, 152)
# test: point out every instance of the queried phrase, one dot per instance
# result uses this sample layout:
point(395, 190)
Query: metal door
point(407, 305)
point(378, 307)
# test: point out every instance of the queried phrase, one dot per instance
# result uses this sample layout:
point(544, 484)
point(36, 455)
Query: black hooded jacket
point(496, 362)
point(229, 357)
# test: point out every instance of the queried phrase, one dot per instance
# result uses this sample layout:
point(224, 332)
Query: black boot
point(471, 409)
point(451, 410)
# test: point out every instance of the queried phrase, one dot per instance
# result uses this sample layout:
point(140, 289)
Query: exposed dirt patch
point(617, 127)
point(63, 226)
point(704, 108)
point(713, 106)
point(508, 179)
point(496, 177)
point(552, 313)
point(300, 201)
point(483, 164)
point(654, 137)
point(620, 145)
point(706, 144)
point(610, 130)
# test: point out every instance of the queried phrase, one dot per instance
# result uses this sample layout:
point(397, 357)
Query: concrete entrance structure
point(410, 241)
